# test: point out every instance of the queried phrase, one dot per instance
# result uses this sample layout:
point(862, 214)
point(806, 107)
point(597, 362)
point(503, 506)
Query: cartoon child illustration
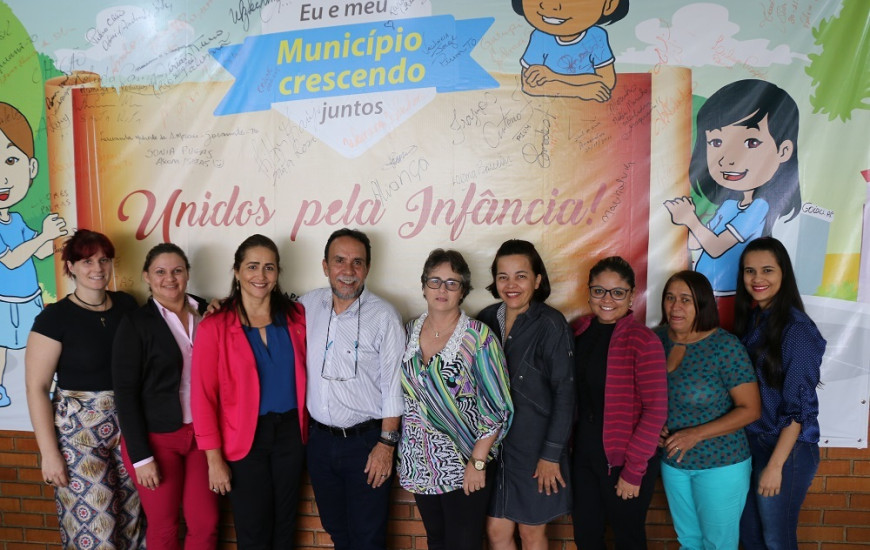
point(20, 295)
point(744, 161)
point(568, 53)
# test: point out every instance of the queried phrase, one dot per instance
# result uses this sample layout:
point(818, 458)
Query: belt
point(358, 429)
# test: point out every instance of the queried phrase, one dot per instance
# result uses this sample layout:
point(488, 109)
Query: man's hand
point(379, 466)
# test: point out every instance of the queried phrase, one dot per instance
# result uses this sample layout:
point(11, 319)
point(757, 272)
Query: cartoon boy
point(568, 53)
point(20, 295)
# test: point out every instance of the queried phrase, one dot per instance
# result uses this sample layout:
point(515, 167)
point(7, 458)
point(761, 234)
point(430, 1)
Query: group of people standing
point(497, 424)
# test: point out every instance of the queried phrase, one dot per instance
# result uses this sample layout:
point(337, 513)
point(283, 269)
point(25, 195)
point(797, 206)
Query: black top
point(86, 337)
point(146, 367)
point(591, 362)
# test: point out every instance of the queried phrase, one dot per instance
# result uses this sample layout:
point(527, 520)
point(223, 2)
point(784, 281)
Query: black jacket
point(540, 360)
point(146, 375)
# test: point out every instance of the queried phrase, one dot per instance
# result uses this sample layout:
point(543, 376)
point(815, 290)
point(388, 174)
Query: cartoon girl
point(568, 53)
point(744, 161)
point(20, 295)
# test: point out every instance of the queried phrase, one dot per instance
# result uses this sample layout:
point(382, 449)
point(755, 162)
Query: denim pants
point(771, 522)
point(706, 505)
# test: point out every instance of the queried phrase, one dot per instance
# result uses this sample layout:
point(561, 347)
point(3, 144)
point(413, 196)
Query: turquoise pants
point(706, 505)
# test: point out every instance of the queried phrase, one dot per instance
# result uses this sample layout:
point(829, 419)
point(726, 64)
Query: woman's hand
point(148, 476)
point(549, 476)
point(219, 473)
point(626, 490)
point(681, 442)
point(474, 479)
point(770, 480)
point(54, 470)
point(664, 436)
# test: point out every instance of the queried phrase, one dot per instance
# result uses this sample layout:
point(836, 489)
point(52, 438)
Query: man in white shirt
point(355, 346)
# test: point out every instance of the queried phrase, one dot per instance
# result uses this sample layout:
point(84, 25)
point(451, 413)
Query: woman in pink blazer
point(248, 398)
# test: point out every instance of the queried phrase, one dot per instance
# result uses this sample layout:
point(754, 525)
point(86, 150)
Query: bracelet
point(387, 442)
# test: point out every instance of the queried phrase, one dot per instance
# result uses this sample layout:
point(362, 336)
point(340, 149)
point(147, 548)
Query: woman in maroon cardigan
point(622, 405)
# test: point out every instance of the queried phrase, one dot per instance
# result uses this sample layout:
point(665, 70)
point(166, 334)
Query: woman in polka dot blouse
point(712, 395)
point(786, 349)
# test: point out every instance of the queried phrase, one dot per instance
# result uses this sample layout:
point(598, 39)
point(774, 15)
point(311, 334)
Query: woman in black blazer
point(151, 375)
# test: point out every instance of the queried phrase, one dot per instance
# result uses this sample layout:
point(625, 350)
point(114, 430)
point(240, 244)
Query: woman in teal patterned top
point(457, 408)
point(712, 395)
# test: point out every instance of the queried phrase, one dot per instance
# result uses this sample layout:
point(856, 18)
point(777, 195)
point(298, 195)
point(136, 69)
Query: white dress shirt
point(354, 359)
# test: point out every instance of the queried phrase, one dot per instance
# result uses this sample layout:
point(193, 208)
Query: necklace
point(438, 331)
point(101, 304)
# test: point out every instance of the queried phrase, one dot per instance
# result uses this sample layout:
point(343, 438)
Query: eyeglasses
point(329, 344)
point(618, 294)
point(435, 283)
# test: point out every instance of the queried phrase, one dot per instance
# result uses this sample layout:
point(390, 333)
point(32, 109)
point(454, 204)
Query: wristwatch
point(479, 465)
point(390, 438)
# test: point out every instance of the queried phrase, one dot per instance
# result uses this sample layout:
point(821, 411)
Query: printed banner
point(671, 133)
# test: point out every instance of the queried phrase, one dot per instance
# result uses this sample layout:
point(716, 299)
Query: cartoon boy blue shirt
point(582, 55)
point(745, 223)
point(18, 284)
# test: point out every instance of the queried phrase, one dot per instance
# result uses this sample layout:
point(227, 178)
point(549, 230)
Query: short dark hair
point(457, 264)
point(706, 312)
point(620, 12)
point(164, 248)
point(615, 264)
point(83, 244)
point(355, 234)
point(518, 247)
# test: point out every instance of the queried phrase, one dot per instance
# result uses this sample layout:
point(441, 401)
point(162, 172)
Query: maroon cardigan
point(635, 395)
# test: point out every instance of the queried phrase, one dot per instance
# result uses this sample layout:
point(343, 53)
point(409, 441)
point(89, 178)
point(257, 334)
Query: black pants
point(352, 512)
point(265, 484)
point(596, 503)
point(453, 520)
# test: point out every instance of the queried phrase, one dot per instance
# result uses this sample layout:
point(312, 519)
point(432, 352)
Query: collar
point(450, 349)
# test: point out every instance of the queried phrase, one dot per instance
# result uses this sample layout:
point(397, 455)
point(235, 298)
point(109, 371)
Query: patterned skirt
point(100, 507)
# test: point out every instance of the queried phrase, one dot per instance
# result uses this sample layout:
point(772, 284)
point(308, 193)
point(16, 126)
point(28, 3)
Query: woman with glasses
point(530, 489)
point(248, 398)
point(622, 406)
point(457, 408)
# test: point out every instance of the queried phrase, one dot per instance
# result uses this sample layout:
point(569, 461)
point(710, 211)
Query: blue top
point(20, 283)
point(276, 365)
point(581, 56)
point(699, 391)
point(746, 224)
point(802, 351)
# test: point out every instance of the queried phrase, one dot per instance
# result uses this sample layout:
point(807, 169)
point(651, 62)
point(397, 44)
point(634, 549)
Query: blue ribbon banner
point(423, 52)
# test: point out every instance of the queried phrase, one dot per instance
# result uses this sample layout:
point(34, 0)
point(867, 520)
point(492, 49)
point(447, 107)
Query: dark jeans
point(265, 484)
point(352, 512)
point(454, 520)
point(596, 504)
point(771, 522)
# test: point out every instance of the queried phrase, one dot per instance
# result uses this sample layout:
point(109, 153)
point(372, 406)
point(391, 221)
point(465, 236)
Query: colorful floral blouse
point(460, 396)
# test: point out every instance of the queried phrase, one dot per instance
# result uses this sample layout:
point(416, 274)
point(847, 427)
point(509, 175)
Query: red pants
point(183, 482)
